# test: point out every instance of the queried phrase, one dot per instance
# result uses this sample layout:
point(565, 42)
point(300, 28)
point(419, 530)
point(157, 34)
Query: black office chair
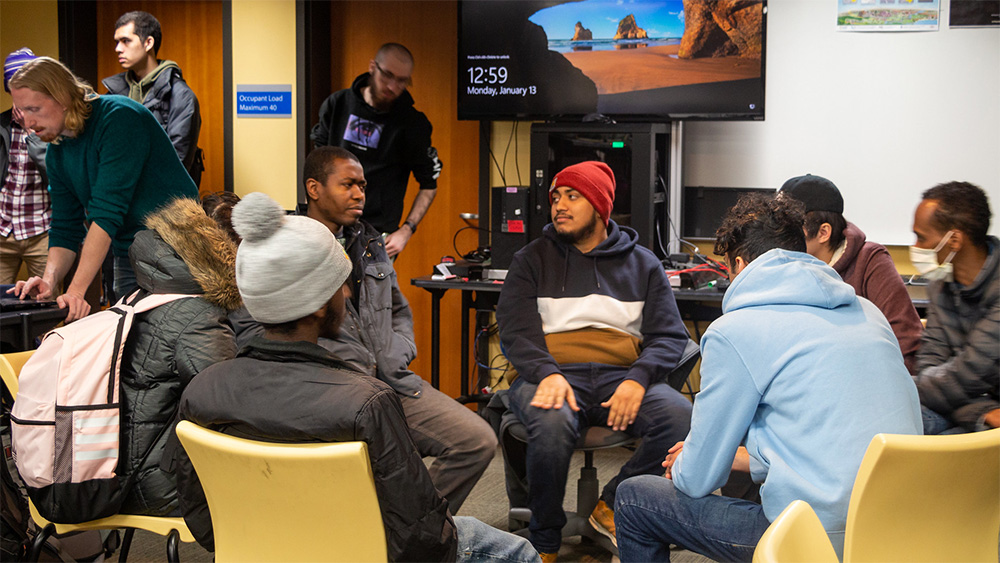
point(513, 442)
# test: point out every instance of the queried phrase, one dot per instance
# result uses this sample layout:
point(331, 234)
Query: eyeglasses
point(402, 81)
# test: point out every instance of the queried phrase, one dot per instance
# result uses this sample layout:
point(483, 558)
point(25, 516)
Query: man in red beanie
point(588, 320)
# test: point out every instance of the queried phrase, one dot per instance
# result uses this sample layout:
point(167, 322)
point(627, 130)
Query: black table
point(19, 329)
point(476, 295)
point(695, 305)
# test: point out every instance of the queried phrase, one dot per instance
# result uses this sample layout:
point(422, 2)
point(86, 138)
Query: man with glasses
point(375, 119)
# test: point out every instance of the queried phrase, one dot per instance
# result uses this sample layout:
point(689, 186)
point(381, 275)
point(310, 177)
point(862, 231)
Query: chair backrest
point(287, 502)
point(926, 498)
point(689, 357)
point(795, 536)
point(10, 367)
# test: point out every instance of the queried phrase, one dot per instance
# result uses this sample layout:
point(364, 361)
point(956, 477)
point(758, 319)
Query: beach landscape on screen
point(622, 58)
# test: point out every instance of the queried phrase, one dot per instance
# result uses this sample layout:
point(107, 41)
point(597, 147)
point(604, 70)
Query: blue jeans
point(478, 542)
point(125, 282)
point(651, 514)
point(937, 424)
point(664, 419)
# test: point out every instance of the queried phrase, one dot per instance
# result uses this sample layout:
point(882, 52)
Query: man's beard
point(379, 99)
point(331, 322)
point(583, 232)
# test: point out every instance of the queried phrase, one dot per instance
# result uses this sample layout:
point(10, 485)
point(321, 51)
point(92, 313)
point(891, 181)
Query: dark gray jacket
point(171, 344)
point(958, 365)
point(36, 149)
point(175, 107)
point(377, 334)
point(298, 392)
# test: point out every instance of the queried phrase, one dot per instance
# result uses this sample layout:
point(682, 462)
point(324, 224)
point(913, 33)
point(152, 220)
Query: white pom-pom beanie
point(287, 267)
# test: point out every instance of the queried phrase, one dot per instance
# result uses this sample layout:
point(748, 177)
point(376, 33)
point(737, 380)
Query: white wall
point(883, 115)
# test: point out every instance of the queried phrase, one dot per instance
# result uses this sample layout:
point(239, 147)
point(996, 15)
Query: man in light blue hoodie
point(798, 375)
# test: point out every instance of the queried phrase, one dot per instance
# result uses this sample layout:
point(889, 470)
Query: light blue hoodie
point(804, 373)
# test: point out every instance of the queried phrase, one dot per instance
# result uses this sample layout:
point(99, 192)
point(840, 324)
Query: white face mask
point(925, 261)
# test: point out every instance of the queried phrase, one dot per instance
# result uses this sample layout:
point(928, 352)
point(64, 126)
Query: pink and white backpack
point(65, 423)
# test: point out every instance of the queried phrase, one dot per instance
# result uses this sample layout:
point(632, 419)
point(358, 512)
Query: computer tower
point(509, 223)
point(637, 153)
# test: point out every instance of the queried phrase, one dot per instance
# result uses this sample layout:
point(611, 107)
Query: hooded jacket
point(869, 269)
point(612, 305)
point(389, 145)
point(376, 336)
point(804, 373)
point(959, 360)
point(165, 93)
point(183, 252)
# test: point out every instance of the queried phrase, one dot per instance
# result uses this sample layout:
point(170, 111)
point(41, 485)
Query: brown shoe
point(603, 520)
point(548, 557)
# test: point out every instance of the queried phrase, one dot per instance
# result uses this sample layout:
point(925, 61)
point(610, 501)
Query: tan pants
point(33, 252)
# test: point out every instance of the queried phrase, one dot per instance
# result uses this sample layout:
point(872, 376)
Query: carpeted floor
point(487, 502)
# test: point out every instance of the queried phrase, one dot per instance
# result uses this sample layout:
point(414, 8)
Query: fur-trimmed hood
point(186, 252)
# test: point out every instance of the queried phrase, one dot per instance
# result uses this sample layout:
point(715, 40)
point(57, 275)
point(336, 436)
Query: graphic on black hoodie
point(363, 132)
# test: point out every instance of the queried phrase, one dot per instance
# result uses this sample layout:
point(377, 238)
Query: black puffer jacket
point(184, 252)
point(958, 364)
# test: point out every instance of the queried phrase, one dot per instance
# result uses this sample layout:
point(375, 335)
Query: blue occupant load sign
point(264, 100)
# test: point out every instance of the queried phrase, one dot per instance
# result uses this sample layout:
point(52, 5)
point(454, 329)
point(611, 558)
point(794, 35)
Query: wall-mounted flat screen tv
point(631, 60)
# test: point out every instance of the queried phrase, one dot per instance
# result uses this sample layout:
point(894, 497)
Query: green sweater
point(116, 172)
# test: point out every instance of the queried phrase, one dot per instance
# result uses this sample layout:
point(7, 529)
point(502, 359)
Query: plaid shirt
point(25, 209)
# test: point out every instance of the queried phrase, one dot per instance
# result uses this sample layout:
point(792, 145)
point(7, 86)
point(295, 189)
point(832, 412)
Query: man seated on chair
point(380, 339)
point(863, 264)
point(588, 320)
point(799, 370)
point(958, 367)
point(284, 387)
point(378, 333)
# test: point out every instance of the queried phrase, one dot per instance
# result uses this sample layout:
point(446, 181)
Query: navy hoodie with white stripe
point(613, 305)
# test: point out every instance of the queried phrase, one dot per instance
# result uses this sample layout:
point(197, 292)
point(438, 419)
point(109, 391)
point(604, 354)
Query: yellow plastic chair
point(287, 502)
point(795, 536)
point(10, 366)
point(173, 528)
point(915, 499)
point(926, 498)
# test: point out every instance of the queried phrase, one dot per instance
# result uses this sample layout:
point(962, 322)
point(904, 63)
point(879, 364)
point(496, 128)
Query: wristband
point(412, 226)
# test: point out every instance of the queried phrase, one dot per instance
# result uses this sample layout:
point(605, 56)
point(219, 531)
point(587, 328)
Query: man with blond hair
point(110, 164)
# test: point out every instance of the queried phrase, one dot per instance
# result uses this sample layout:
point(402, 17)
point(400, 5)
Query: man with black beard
point(588, 320)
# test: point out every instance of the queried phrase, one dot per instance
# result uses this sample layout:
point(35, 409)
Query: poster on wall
point(888, 15)
point(974, 13)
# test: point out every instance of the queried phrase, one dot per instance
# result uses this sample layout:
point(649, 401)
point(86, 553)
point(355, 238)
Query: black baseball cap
point(816, 192)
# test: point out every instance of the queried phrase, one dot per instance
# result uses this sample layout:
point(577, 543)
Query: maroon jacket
point(868, 268)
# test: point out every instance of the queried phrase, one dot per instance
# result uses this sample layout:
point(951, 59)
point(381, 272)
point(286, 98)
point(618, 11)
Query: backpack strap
point(156, 299)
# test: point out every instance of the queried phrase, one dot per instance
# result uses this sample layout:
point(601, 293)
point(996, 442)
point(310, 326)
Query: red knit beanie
point(594, 180)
